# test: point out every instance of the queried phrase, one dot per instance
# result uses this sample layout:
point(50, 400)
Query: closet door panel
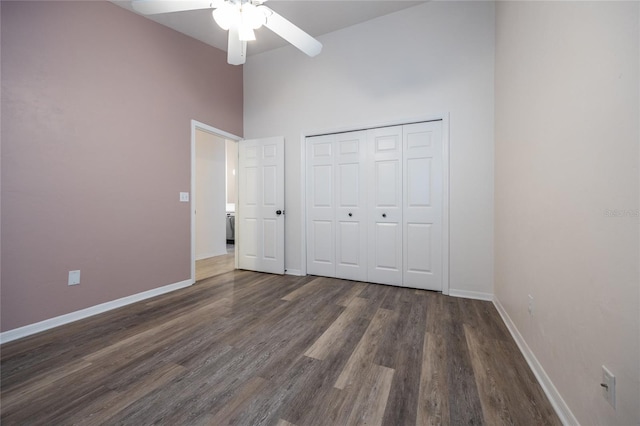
point(348, 253)
point(320, 206)
point(387, 179)
point(385, 205)
point(419, 241)
point(422, 223)
point(322, 244)
point(348, 185)
point(389, 259)
point(351, 201)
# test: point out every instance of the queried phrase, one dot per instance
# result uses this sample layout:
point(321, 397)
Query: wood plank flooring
point(212, 266)
point(244, 348)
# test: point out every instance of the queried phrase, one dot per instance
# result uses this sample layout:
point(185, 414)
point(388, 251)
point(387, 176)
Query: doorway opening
point(214, 197)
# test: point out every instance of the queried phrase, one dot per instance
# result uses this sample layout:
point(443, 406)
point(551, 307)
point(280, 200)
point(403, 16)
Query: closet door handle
point(384, 215)
point(350, 214)
point(278, 212)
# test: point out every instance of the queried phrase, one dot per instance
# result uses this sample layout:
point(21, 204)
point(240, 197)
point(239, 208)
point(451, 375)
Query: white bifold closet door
point(422, 222)
point(375, 203)
point(336, 206)
point(385, 205)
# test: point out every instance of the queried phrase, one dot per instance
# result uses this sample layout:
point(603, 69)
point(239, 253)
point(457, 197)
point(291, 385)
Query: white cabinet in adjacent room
point(375, 205)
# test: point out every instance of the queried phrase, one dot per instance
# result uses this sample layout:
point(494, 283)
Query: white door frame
point(444, 117)
point(196, 125)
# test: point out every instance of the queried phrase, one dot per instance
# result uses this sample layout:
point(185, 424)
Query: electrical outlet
point(74, 277)
point(530, 305)
point(608, 385)
point(184, 197)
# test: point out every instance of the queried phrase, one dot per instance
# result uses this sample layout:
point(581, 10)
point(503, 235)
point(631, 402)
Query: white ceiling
point(316, 17)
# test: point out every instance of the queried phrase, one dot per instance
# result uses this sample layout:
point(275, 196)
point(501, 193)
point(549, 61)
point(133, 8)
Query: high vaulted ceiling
point(316, 17)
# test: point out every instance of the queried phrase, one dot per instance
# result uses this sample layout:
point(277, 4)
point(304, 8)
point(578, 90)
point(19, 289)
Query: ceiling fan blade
point(236, 48)
point(153, 7)
point(291, 33)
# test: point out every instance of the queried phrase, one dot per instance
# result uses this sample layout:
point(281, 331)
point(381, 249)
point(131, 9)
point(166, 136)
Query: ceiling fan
point(240, 18)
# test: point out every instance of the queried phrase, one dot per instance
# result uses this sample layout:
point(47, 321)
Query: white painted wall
point(567, 136)
point(430, 59)
point(211, 237)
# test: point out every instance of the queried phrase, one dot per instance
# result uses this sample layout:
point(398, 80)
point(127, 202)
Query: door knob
point(278, 212)
point(350, 214)
point(384, 215)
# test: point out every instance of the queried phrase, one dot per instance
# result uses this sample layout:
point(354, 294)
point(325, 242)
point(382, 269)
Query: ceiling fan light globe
point(252, 16)
point(225, 16)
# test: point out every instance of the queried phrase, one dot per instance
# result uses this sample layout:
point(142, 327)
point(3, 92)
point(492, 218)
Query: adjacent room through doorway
point(214, 202)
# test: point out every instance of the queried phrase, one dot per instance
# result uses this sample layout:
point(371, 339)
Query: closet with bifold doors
point(375, 205)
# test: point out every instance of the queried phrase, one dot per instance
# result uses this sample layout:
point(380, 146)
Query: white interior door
point(260, 214)
point(385, 205)
point(422, 218)
point(351, 201)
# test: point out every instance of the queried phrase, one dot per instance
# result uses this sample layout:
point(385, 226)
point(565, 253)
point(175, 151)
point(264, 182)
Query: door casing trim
point(197, 125)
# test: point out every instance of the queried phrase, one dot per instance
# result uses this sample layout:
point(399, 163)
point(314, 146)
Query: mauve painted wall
point(96, 110)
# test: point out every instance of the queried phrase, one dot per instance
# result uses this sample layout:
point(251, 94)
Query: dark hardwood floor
point(253, 349)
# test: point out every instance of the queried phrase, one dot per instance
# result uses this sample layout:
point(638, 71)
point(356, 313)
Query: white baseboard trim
point(562, 409)
point(466, 294)
point(208, 255)
point(30, 329)
point(296, 272)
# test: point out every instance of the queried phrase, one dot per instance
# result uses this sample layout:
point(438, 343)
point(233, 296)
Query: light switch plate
point(74, 277)
point(184, 197)
point(609, 386)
